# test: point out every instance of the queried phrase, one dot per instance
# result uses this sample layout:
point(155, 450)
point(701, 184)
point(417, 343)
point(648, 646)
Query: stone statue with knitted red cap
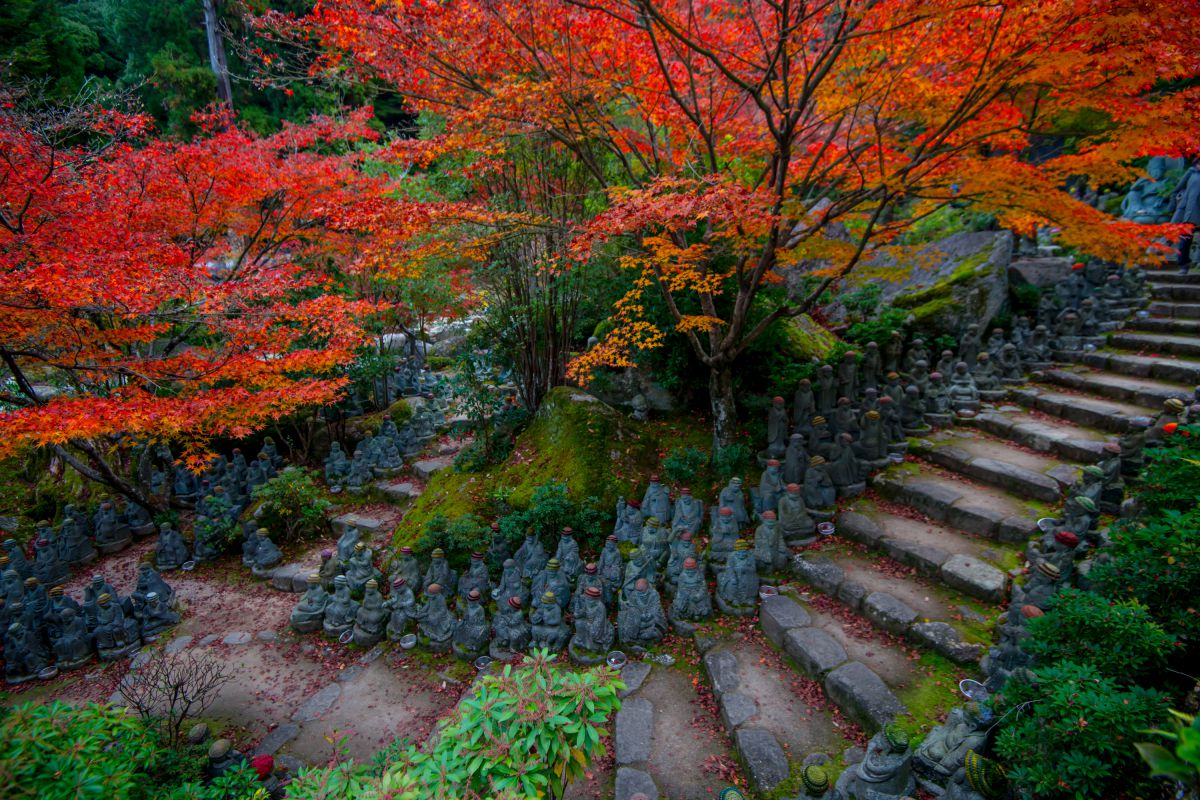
point(691, 603)
point(471, 636)
point(511, 629)
point(594, 634)
point(770, 553)
point(724, 533)
point(777, 429)
point(641, 620)
point(371, 618)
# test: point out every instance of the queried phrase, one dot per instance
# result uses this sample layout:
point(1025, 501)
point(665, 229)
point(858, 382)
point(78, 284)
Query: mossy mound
point(806, 340)
point(597, 451)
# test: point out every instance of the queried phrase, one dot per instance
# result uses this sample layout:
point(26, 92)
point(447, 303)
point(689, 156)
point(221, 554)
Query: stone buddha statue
point(265, 554)
point(826, 390)
point(872, 445)
point(116, 636)
point(75, 547)
point(476, 578)
point(770, 487)
point(777, 429)
point(341, 610)
point(611, 568)
point(682, 549)
point(511, 630)
point(691, 602)
point(737, 582)
point(917, 351)
point(654, 541)
point(640, 618)
point(346, 542)
point(844, 468)
point(795, 525)
point(171, 551)
point(656, 502)
point(962, 390)
point(401, 607)
point(549, 581)
point(549, 630)
point(814, 783)
point(893, 352)
point(770, 554)
point(886, 771)
point(628, 527)
point(49, 569)
point(309, 613)
point(439, 572)
point(820, 495)
point(969, 345)
point(111, 534)
point(688, 514)
point(511, 584)
point(870, 368)
point(978, 778)
point(987, 380)
point(407, 567)
point(803, 403)
point(639, 567)
point(471, 637)
point(498, 550)
point(371, 617)
point(946, 362)
point(71, 644)
point(531, 556)
point(847, 375)
point(435, 623)
point(589, 577)
point(795, 459)
point(734, 498)
point(594, 634)
point(570, 564)
point(1148, 201)
point(723, 533)
point(24, 654)
point(155, 617)
point(942, 750)
point(893, 388)
point(1008, 363)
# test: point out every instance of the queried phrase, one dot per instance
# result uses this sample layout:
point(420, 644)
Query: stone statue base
point(114, 547)
point(143, 530)
point(83, 562)
point(966, 405)
point(463, 654)
point(499, 653)
point(307, 626)
point(800, 541)
point(64, 666)
point(263, 572)
point(993, 395)
point(366, 640)
point(821, 516)
point(683, 627)
point(113, 653)
point(850, 786)
point(435, 646)
point(763, 456)
point(735, 611)
point(898, 447)
point(851, 489)
point(940, 420)
point(336, 631)
point(584, 658)
point(161, 567)
point(1013, 381)
point(924, 430)
point(17, 680)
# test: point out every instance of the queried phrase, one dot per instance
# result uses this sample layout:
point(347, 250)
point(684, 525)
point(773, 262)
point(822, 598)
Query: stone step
point(997, 463)
point(1163, 368)
point(1187, 292)
point(1165, 325)
point(1173, 343)
point(770, 725)
point(1141, 391)
point(893, 599)
point(1105, 414)
point(1044, 434)
point(927, 546)
point(1171, 276)
point(943, 496)
point(1160, 308)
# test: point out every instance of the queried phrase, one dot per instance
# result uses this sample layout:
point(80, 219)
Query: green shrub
point(293, 506)
point(731, 461)
point(60, 752)
point(238, 783)
point(683, 464)
point(1120, 639)
point(401, 412)
point(1070, 732)
point(525, 733)
point(550, 510)
point(1181, 763)
point(879, 329)
point(458, 537)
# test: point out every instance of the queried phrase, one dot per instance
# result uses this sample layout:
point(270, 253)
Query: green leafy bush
point(730, 461)
point(550, 510)
point(1120, 639)
point(1181, 763)
point(683, 464)
point(1170, 481)
point(458, 537)
point(293, 506)
point(879, 329)
point(525, 733)
point(60, 752)
point(239, 783)
point(1070, 732)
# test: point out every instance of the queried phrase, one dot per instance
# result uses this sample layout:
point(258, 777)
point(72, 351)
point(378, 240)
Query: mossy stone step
point(1106, 414)
point(1165, 368)
point(997, 464)
point(1141, 391)
point(1161, 308)
point(981, 510)
point(1165, 325)
point(1171, 276)
point(1171, 343)
point(1061, 438)
point(1175, 291)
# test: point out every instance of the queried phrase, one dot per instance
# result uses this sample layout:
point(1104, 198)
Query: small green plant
point(862, 303)
point(731, 461)
point(458, 537)
point(1182, 763)
point(879, 329)
point(61, 752)
point(683, 464)
point(1120, 639)
point(550, 510)
point(293, 505)
point(1069, 732)
point(239, 783)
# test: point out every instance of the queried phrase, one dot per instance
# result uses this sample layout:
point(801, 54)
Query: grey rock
point(207, 640)
point(704, 643)
point(350, 673)
point(283, 578)
point(722, 668)
point(814, 651)
point(969, 613)
point(197, 734)
point(237, 637)
point(632, 781)
point(853, 755)
point(369, 657)
point(634, 730)
point(141, 659)
point(318, 704)
point(926, 558)
point(862, 696)
point(816, 760)
point(277, 739)
point(737, 708)
point(942, 638)
point(780, 614)
point(266, 636)
point(367, 524)
point(888, 612)
point(289, 763)
point(764, 758)
point(634, 674)
point(177, 644)
point(426, 468)
point(977, 578)
point(852, 593)
point(819, 572)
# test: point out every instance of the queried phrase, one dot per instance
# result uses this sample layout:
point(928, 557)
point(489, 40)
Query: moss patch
point(806, 340)
point(942, 291)
point(574, 438)
point(931, 696)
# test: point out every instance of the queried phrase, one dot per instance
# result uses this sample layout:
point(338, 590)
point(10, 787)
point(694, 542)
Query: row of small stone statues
point(890, 769)
point(381, 456)
point(48, 630)
point(234, 477)
point(549, 589)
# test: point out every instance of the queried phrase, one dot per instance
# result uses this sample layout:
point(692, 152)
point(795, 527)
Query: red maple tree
point(739, 140)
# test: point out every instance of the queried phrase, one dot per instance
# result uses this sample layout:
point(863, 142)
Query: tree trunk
point(216, 53)
point(724, 407)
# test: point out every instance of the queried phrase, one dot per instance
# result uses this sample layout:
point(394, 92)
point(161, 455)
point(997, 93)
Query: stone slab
point(977, 578)
point(765, 760)
point(237, 637)
point(177, 644)
point(819, 572)
point(737, 709)
point(814, 651)
point(851, 593)
point(888, 612)
point(366, 524)
point(277, 739)
point(780, 614)
point(427, 467)
point(631, 781)
point(722, 669)
point(863, 696)
point(283, 578)
point(942, 638)
point(634, 731)
point(318, 704)
point(634, 674)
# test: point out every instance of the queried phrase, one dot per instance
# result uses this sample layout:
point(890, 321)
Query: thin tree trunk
point(724, 407)
point(216, 53)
